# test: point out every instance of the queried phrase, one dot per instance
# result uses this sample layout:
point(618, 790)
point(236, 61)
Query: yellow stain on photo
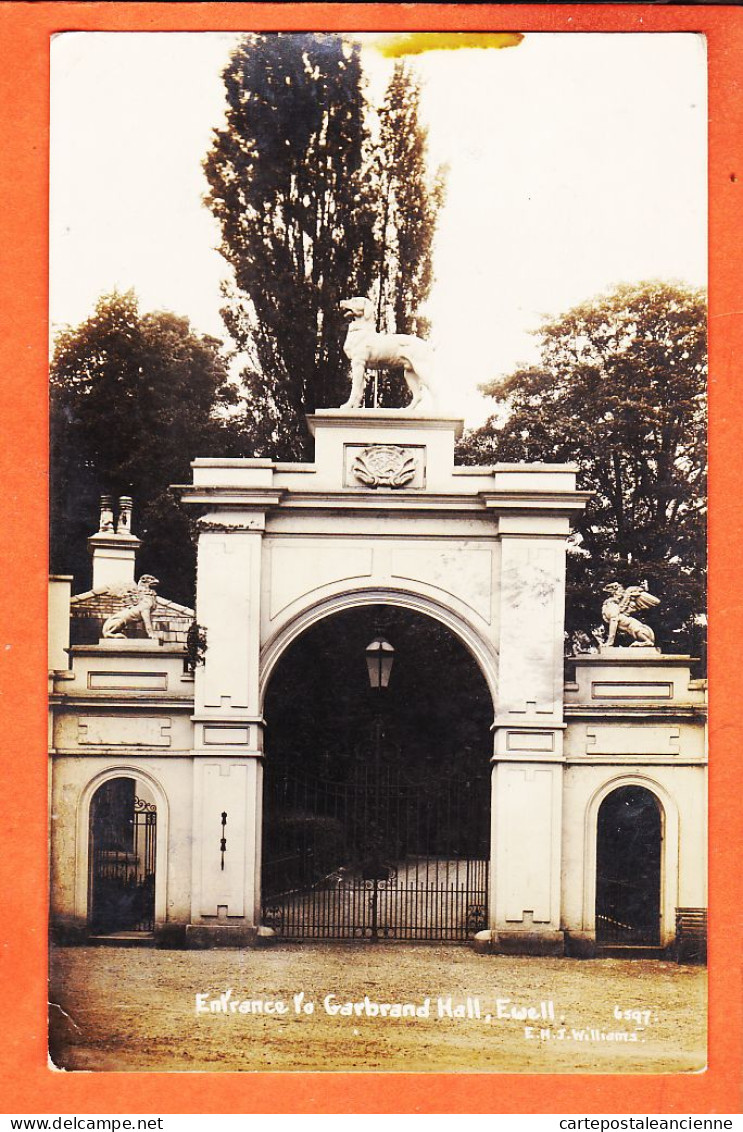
point(417, 43)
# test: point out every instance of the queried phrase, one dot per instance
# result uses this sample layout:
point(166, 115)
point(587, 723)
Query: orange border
point(27, 1084)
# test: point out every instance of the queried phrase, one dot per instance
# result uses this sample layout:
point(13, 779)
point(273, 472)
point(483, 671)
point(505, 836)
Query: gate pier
point(527, 776)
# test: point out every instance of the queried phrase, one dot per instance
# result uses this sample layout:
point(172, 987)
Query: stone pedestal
point(114, 556)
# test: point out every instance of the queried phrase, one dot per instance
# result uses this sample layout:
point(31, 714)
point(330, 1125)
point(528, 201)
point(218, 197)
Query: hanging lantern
point(379, 657)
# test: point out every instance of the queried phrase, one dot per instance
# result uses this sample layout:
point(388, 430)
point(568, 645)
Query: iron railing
point(375, 858)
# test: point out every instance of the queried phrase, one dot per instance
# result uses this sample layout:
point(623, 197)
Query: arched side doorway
point(376, 799)
point(629, 836)
point(122, 830)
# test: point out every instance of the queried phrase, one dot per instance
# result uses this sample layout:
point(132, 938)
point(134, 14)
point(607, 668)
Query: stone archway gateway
point(380, 526)
point(376, 817)
point(485, 547)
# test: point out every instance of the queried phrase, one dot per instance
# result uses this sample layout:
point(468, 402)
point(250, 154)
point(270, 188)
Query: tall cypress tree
point(313, 210)
point(287, 187)
point(409, 206)
point(408, 203)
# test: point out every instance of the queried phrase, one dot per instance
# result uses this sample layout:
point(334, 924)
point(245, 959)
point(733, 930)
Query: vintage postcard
point(378, 606)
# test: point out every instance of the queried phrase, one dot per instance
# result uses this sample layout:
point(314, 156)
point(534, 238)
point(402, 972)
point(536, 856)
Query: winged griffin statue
point(137, 605)
point(617, 612)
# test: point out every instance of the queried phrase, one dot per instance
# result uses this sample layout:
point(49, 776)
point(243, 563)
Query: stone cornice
point(635, 760)
point(528, 501)
point(121, 753)
point(380, 499)
point(386, 418)
point(113, 541)
point(530, 723)
point(576, 712)
point(393, 499)
point(254, 498)
point(104, 701)
point(638, 657)
point(129, 646)
point(235, 718)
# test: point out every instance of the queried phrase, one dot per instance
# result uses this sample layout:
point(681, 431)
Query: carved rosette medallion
point(384, 465)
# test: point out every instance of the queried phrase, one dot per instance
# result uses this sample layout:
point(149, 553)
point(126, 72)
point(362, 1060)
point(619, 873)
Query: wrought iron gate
point(381, 855)
point(122, 888)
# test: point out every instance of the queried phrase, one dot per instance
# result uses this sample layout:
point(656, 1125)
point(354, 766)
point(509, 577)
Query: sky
point(576, 162)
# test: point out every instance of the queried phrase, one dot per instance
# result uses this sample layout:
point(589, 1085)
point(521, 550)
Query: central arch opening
point(377, 798)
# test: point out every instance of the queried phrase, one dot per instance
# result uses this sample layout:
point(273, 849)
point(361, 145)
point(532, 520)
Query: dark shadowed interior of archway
point(319, 704)
point(628, 865)
point(379, 788)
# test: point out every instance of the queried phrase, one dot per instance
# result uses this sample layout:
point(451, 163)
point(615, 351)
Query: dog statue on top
point(367, 349)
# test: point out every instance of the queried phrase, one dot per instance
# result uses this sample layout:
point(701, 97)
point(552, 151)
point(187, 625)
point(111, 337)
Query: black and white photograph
point(377, 615)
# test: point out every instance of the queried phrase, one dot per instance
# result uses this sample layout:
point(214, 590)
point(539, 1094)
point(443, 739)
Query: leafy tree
point(133, 399)
point(621, 391)
point(299, 189)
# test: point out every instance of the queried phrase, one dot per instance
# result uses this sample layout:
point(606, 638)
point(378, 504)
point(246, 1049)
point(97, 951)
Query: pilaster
point(228, 730)
point(60, 592)
point(527, 777)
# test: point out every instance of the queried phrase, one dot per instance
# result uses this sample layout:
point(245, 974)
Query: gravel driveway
point(387, 1007)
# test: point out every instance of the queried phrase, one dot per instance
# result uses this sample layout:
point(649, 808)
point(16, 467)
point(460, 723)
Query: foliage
point(407, 212)
point(287, 188)
point(621, 391)
point(311, 212)
point(134, 397)
point(196, 645)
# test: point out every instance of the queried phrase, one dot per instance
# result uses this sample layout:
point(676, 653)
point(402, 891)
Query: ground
point(116, 1008)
